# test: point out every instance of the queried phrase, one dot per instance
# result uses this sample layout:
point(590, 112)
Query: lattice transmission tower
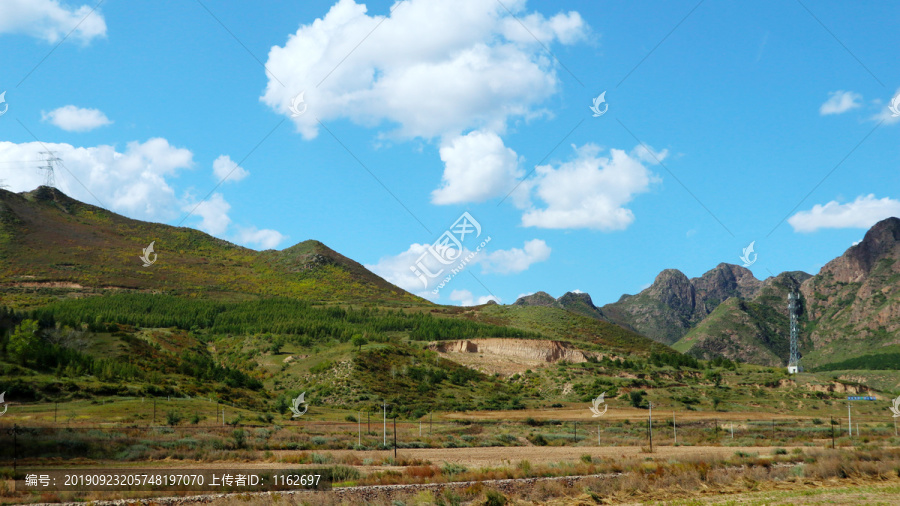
point(49, 159)
point(794, 308)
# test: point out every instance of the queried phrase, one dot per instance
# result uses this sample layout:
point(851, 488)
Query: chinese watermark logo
point(600, 100)
point(296, 103)
point(146, 256)
point(894, 409)
point(596, 406)
point(448, 250)
point(3, 403)
point(3, 101)
point(295, 406)
point(895, 106)
point(749, 257)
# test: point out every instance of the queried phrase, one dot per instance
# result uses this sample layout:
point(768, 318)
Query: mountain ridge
point(48, 238)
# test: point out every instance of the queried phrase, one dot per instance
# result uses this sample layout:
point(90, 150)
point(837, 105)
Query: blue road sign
point(861, 398)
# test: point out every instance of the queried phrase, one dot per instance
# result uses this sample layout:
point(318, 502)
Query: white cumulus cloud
point(213, 213)
point(465, 298)
point(477, 167)
point(430, 68)
point(397, 268)
point(50, 20)
point(514, 260)
point(76, 119)
point(224, 167)
point(840, 102)
point(264, 239)
point(590, 191)
point(863, 212)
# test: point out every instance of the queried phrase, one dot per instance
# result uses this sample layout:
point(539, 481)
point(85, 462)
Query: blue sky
point(727, 123)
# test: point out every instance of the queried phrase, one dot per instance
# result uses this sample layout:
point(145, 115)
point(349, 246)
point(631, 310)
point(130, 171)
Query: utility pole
point(368, 421)
point(359, 429)
point(850, 422)
point(650, 426)
point(832, 432)
point(674, 431)
point(395, 439)
point(384, 429)
point(732, 430)
point(56, 408)
point(576, 431)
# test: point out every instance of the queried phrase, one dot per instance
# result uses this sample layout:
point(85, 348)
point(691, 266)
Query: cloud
point(76, 119)
point(590, 191)
point(135, 182)
point(264, 239)
point(51, 21)
point(397, 268)
point(477, 167)
point(840, 102)
point(465, 298)
point(514, 260)
point(213, 213)
point(431, 68)
point(224, 167)
point(863, 212)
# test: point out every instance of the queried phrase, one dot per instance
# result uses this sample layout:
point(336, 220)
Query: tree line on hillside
point(271, 315)
point(49, 346)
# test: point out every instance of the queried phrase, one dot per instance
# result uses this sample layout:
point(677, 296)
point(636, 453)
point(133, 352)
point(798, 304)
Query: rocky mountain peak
point(881, 241)
point(537, 299)
point(674, 289)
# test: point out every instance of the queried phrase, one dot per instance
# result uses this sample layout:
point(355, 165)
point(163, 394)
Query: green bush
point(494, 498)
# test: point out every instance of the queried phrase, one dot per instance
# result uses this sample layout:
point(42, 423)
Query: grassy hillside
point(746, 331)
point(563, 325)
point(52, 245)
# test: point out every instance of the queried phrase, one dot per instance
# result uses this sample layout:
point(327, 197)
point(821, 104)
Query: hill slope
point(49, 241)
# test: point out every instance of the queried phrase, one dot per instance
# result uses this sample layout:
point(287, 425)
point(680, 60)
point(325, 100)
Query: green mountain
point(52, 244)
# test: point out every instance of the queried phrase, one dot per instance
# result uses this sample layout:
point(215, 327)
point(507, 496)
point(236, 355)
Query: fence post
point(832, 432)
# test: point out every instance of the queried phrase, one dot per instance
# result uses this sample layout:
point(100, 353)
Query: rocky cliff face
point(854, 301)
point(674, 304)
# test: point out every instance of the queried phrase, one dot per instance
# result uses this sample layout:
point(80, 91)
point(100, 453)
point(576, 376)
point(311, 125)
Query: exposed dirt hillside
point(507, 356)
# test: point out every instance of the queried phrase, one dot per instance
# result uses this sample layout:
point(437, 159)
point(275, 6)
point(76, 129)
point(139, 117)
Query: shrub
point(637, 398)
point(344, 473)
point(494, 498)
point(173, 418)
point(452, 469)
